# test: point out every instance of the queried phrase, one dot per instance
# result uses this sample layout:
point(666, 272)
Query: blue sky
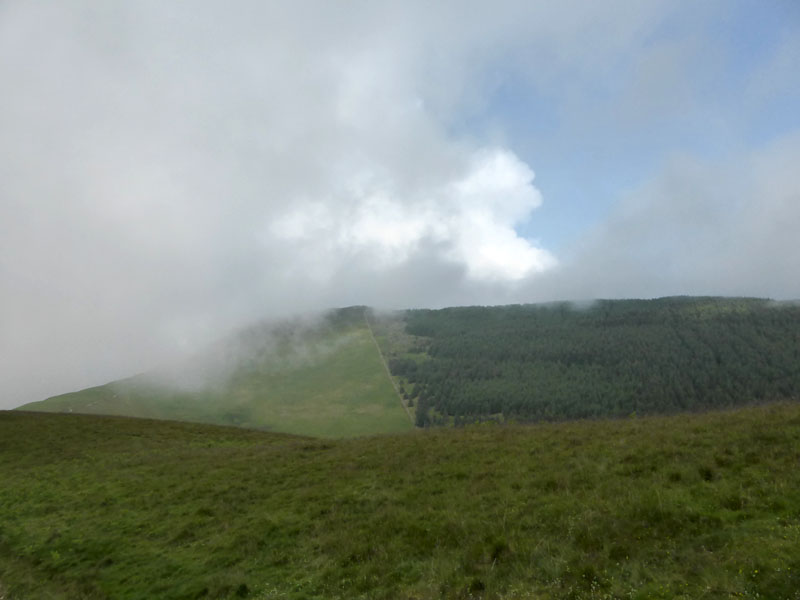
point(721, 53)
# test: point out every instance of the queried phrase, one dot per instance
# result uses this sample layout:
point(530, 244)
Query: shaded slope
point(679, 507)
point(322, 378)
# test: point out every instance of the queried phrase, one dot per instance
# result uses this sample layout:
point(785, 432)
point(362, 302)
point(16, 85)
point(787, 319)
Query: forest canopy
point(609, 358)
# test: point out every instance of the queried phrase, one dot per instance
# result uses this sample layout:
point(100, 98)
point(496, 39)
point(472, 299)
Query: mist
point(170, 173)
point(266, 347)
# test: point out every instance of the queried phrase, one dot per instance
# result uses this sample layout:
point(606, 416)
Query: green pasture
point(692, 506)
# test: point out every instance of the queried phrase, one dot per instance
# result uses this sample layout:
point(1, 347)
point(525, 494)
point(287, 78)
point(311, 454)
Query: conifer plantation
point(612, 358)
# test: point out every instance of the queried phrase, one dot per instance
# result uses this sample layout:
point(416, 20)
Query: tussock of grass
point(678, 507)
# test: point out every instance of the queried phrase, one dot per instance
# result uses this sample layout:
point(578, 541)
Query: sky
point(170, 171)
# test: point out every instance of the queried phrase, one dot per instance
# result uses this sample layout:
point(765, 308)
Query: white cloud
point(472, 219)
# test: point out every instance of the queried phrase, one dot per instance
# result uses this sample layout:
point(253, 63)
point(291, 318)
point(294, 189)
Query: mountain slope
point(702, 506)
point(322, 378)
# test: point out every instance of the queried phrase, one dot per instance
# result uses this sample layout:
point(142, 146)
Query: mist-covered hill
point(541, 362)
point(321, 376)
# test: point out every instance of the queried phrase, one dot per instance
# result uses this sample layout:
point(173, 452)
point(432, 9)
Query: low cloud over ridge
point(170, 171)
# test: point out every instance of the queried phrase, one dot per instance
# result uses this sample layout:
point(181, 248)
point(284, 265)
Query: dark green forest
point(550, 362)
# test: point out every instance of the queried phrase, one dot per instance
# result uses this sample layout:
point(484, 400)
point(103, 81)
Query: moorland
point(687, 506)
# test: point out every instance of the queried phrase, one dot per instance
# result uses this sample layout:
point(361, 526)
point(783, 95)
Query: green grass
point(324, 382)
point(346, 393)
point(701, 506)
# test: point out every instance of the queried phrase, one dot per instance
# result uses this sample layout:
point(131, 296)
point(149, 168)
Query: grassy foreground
point(700, 506)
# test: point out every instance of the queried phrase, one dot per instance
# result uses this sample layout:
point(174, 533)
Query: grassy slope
point(340, 392)
point(673, 507)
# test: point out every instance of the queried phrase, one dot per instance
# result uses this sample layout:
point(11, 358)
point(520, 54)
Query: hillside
point(702, 506)
point(322, 377)
point(454, 366)
point(609, 358)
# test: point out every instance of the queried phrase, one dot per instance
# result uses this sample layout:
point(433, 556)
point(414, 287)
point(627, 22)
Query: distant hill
point(689, 506)
point(322, 377)
point(526, 363)
point(608, 358)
